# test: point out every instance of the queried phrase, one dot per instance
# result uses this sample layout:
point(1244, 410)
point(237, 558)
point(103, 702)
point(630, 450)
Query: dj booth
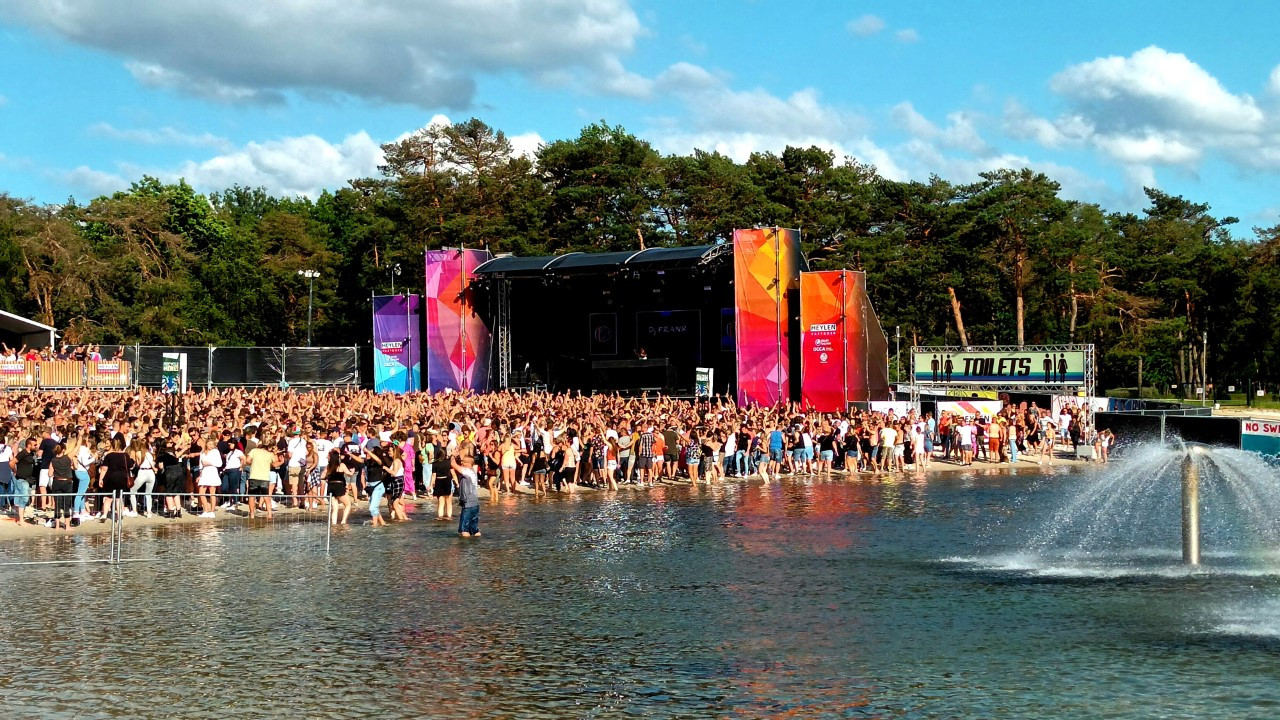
point(652, 374)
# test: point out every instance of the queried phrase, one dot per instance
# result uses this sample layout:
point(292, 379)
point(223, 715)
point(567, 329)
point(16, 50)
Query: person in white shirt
point(296, 447)
point(888, 441)
point(233, 475)
point(967, 433)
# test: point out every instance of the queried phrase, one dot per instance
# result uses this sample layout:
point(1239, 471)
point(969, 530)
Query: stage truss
point(503, 318)
point(1089, 386)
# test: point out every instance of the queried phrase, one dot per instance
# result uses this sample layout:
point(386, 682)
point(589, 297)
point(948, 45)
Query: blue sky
point(298, 95)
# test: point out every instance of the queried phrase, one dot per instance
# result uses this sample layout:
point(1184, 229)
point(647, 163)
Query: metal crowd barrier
point(102, 540)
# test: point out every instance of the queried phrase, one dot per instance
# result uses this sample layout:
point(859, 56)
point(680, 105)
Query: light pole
point(1204, 381)
point(311, 276)
point(395, 272)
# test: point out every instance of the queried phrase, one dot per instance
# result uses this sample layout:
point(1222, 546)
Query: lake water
point(803, 599)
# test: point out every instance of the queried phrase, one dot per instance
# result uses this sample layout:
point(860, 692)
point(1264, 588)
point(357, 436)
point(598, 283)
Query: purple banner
point(396, 364)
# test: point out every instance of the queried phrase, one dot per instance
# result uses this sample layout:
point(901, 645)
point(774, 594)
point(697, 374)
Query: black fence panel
point(150, 365)
point(247, 365)
point(320, 366)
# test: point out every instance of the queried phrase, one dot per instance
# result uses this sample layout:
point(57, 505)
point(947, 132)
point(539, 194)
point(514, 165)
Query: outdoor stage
point(579, 321)
point(655, 320)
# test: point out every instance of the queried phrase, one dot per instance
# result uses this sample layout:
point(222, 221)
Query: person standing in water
point(469, 495)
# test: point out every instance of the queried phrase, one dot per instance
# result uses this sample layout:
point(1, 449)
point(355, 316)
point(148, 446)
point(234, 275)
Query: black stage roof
point(659, 258)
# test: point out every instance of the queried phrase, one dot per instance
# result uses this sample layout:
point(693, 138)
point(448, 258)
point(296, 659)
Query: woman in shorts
point(336, 489)
point(395, 482)
point(442, 485)
point(507, 463)
point(693, 456)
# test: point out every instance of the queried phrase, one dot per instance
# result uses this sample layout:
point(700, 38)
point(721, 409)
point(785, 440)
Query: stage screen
point(457, 336)
point(674, 334)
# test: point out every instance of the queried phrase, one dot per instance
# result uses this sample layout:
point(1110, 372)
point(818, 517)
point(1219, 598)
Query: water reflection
point(805, 598)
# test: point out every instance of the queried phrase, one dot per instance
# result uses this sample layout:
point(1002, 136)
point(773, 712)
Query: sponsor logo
point(822, 327)
point(392, 348)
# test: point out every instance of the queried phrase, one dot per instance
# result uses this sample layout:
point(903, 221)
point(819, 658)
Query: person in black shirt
point(62, 487)
point(47, 447)
point(24, 473)
point(169, 479)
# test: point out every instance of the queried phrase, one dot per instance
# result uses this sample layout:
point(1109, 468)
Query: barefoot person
point(469, 494)
point(336, 487)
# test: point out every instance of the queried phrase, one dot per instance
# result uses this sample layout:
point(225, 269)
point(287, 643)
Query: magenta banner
point(457, 337)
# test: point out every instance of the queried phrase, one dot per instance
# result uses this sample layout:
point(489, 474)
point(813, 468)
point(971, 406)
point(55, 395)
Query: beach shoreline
point(12, 531)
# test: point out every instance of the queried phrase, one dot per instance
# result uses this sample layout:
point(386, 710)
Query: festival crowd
point(82, 353)
point(64, 456)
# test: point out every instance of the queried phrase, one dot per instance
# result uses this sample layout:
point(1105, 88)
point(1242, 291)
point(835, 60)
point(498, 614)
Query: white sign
point(1260, 427)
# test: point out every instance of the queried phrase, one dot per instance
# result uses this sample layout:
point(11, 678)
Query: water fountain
point(1191, 503)
point(1125, 519)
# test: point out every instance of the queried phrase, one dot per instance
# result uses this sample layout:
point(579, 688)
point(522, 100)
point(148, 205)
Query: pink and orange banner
point(457, 346)
point(766, 275)
point(844, 355)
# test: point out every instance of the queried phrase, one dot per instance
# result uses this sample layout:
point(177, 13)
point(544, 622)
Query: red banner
point(822, 339)
point(843, 356)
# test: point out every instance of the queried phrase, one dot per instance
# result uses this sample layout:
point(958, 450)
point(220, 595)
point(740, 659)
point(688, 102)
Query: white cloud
point(1065, 131)
point(93, 182)
point(1156, 88)
point(526, 144)
point(1149, 149)
point(304, 165)
point(422, 53)
point(1155, 109)
point(714, 106)
point(290, 166)
point(160, 136)
point(907, 35)
point(865, 26)
point(960, 133)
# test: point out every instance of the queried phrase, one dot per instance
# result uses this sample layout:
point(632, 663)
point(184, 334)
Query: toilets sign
point(1260, 436)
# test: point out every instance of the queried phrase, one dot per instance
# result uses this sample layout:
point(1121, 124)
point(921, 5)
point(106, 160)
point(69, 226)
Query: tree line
point(1004, 260)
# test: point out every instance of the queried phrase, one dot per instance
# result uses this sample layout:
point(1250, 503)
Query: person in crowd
point(142, 459)
point(62, 486)
point(442, 484)
point(469, 495)
point(210, 479)
point(336, 487)
point(114, 477)
point(262, 460)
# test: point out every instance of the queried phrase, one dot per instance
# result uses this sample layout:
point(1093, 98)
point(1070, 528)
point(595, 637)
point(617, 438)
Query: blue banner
point(396, 364)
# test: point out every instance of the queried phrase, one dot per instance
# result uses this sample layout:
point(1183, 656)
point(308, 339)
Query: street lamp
point(311, 276)
point(395, 272)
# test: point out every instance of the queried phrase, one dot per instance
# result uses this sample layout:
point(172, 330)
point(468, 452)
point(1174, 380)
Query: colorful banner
point(844, 356)
point(457, 336)
point(943, 366)
point(823, 369)
point(766, 275)
point(970, 408)
point(397, 366)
